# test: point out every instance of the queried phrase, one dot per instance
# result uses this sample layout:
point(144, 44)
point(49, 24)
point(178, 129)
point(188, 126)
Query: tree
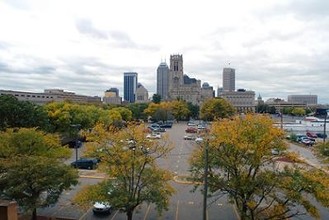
point(156, 98)
point(179, 109)
point(216, 108)
point(15, 113)
point(298, 111)
point(137, 110)
point(262, 108)
point(151, 109)
point(130, 158)
point(194, 110)
point(31, 168)
point(241, 164)
point(125, 113)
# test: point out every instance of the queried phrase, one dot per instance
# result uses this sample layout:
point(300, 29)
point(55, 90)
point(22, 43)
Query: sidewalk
point(93, 174)
point(307, 155)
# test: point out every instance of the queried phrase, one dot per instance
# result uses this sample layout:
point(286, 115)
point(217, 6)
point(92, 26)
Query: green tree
point(14, 113)
point(216, 108)
point(160, 115)
point(262, 108)
point(31, 168)
point(137, 110)
point(130, 158)
point(194, 110)
point(156, 98)
point(242, 165)
point(298, 111)
point(125, 113)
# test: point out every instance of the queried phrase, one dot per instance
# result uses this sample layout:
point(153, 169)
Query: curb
point(178, 180)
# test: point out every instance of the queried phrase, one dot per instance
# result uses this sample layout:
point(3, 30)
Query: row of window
point(33, 96)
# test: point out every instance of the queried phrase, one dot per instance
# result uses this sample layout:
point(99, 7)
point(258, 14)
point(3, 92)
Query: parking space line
point(147, 212)
point(85, 214)
point(115, 214)
point(177, 207)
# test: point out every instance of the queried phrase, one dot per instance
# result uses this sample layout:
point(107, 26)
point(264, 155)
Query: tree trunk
point(129, 215)
point(34, 214)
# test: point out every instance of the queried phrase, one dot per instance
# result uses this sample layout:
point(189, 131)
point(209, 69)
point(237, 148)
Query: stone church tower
point(181, 86)
point(176, 74)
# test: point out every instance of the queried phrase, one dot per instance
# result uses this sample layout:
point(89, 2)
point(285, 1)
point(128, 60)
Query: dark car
point(166, 125)
point(85, 163)
point(321, 135)
point(75, 144)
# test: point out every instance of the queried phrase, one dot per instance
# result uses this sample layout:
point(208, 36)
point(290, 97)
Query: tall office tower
point(163, 80)
point(229, 79)
point(129, 86)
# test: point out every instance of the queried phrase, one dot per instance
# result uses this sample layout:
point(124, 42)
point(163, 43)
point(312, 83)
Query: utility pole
point(324, 126)
point(205, 180)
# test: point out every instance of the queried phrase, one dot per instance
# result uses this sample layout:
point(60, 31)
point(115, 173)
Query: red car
point(191, 130)
point(310, 134)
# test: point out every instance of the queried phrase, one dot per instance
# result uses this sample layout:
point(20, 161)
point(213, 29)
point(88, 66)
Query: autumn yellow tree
point(242, 165)
point(216, 108)
point(180, 109)
point(130, 158)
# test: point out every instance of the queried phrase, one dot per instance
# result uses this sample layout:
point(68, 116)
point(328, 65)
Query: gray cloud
point(123, 39)
point(85, 26)
point(306, 9)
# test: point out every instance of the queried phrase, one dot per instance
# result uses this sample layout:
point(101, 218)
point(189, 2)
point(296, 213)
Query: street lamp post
point(77, 127)
point(324, 126)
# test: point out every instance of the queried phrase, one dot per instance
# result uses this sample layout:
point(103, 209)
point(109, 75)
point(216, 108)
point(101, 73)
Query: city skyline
point(277, 48)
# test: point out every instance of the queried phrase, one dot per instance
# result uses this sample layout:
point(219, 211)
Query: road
point(184, 204)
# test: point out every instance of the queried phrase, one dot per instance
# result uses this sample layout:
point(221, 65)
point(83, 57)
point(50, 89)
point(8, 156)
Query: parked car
point(321, 135)
point(189, 137)
point(102, 208)
point(154, 136)
point(310, 134)
point(191, 123)
point(85, 163)
point(166, 124)
point(307, 142)
point(198, 139)
point(191, 130)
point(75, 144)
point(299, 137)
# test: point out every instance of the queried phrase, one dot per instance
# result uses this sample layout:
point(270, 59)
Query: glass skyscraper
point(163, 80)
point(229, 79)
point(129, 86)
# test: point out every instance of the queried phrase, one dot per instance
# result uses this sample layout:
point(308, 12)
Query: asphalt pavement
point(184, 204)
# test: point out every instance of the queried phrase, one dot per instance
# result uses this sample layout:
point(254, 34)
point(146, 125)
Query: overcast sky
point(278, 47)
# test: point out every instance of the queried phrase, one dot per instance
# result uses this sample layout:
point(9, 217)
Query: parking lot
point(184, 204)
